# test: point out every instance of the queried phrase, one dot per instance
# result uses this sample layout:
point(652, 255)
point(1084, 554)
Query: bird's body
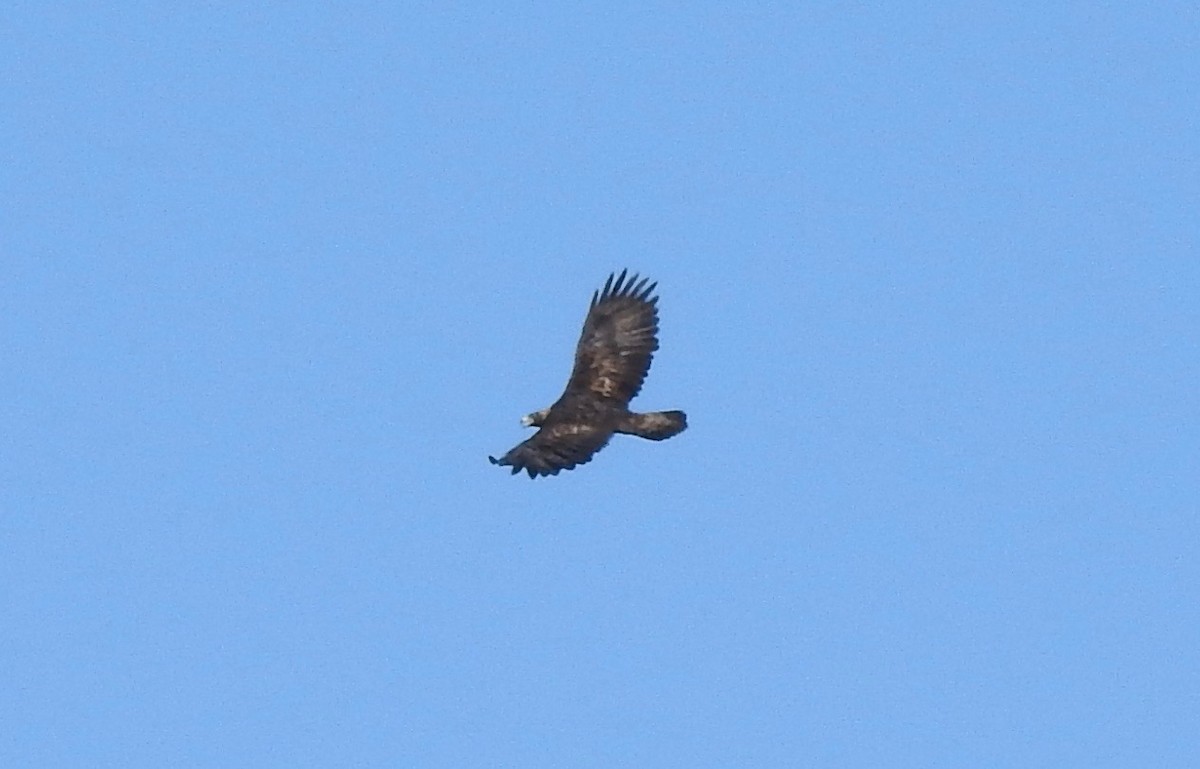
point(620, 335)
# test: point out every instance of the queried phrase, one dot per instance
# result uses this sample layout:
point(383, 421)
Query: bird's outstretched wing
point(620, 335)
point(555, 447)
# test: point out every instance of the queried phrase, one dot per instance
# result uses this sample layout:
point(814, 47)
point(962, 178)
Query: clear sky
point(276, 278)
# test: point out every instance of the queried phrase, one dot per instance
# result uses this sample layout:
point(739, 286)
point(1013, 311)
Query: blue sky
point(276, 279)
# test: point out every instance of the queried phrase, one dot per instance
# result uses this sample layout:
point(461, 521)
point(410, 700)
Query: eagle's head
point(535, 419)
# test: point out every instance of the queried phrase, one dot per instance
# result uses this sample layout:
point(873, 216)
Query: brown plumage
point(620, 335)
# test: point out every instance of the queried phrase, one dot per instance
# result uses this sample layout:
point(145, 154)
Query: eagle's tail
point(657, 425)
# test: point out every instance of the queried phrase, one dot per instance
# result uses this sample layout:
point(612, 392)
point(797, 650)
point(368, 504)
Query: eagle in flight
point(620, 335)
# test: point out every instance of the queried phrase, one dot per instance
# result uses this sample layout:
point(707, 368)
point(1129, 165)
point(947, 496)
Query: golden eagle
point(620, 335)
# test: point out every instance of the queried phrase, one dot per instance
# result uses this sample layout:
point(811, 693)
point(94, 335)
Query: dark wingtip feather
point(618, 284)
point(493, 460)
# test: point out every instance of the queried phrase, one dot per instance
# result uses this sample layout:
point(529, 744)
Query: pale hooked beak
point(527, 421)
